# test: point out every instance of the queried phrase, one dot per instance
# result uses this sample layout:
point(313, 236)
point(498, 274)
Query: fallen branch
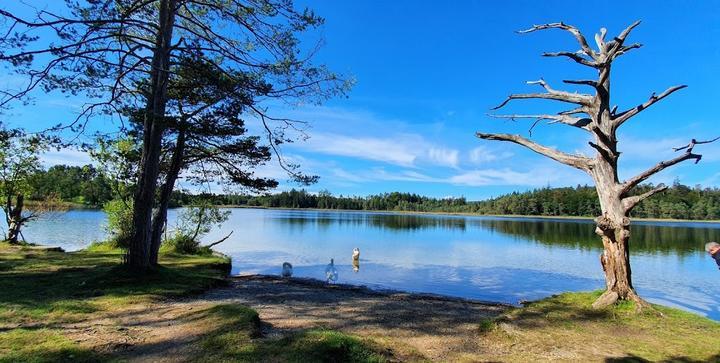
point(220, 240)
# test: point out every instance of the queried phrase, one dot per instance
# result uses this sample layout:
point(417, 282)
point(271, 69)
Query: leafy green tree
point(19, 160)
point(193, 223)
point(117, 163)
point(119, 54)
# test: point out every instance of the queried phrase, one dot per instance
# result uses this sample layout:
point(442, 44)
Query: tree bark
point(602, 121)
point(15, 219)
point(138, 256)
point(160, 218)
point(614, 229)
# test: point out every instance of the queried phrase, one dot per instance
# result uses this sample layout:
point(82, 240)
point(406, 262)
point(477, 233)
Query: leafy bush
point(192, 224)
point(119, 222)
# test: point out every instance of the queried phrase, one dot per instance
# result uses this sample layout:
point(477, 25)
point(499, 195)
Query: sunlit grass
point(237, 327)
point(46, 289)
point(568, 323)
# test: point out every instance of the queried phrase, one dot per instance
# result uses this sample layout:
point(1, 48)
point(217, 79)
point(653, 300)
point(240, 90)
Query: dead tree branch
point(579, 162)
point(579, 122)
point(552, 94)
point(634, 181)
point(620, 118)
point(220, 240)
point(630, 202)
point(569, 28)
point(692, 144)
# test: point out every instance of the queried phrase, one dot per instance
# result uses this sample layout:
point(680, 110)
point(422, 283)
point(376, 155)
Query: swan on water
point(356, 254)
point(331, 273)
point(287, 269)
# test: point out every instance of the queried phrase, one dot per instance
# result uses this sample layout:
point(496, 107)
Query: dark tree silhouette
point(120, 54)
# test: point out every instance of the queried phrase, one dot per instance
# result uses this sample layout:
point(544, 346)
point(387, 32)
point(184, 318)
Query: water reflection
point(399, 222)
point(486, 258)
point(645, 238)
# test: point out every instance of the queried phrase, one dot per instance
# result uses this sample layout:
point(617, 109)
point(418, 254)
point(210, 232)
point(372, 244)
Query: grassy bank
point(565, 327)
point(42, 291)
point(83, 306)
point(44, 295)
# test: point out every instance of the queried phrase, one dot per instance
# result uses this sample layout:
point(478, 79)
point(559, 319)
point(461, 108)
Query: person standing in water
point(713, 248)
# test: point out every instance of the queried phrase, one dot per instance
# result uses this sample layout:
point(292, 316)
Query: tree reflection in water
point(649, 239)
point(681, 238)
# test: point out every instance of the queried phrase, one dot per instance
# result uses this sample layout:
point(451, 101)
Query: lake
point(486, 258)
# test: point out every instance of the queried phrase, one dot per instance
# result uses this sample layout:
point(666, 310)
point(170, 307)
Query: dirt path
point(437, 328)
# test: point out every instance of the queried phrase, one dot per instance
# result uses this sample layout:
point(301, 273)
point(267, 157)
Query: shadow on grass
point(558, 309)
point(238, 328)
point(23, 345)
point(33, 285)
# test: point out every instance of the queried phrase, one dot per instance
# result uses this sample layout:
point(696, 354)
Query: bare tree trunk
point(139, 252)
point(614, 229)
point(160, 218)
point(593, 114)
point(15, 219)
point(615, 261)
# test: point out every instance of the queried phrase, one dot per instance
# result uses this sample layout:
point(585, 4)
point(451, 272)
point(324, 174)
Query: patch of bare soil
point(435, 327)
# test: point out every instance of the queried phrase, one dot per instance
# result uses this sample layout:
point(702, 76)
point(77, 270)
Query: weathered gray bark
point(594, 115)
point(153, 128)
point(160, 218)
point(14, 218)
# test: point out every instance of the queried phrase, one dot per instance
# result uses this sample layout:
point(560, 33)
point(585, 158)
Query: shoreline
point(364, 289)
point(465, 214)
point(468, 214)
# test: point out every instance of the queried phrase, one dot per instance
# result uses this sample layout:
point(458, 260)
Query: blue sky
point(428, 72)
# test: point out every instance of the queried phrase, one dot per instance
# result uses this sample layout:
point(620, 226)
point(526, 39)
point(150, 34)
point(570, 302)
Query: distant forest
point(85, 185)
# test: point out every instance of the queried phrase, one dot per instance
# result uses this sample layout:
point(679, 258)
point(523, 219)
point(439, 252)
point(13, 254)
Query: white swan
point(356, 254)
point(287, 269)
point(331, 273)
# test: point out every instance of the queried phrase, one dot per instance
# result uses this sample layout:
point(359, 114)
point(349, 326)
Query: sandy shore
point(438, 328)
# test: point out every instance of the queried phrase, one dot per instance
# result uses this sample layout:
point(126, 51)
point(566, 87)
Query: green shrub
point(192, 224)
point(119, 222)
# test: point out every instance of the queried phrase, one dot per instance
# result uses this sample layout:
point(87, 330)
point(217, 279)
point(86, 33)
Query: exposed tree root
point(606, 299)
point(611, 297)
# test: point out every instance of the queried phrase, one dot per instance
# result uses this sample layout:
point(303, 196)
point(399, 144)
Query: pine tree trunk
point(138, 256)
point(160, 218)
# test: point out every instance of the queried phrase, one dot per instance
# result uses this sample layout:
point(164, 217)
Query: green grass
point(56, 286)
point(238, 327)
point(41, 290)
point(568, 322)
point(43, 345)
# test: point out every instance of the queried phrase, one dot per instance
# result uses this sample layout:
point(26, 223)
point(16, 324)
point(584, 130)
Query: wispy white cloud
point(483, 154)
point(67, 156)
point(635, 149)
point(370, 148)
point(539, 176)
point(406, 150)
point(445, 157)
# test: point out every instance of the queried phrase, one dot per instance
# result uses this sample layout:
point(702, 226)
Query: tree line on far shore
point(86, 185)
point(678, 202)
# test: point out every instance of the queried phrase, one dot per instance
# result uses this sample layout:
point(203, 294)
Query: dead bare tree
point(593, 114)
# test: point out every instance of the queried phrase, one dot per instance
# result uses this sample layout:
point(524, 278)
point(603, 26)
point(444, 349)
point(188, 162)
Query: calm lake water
point(486, 258)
